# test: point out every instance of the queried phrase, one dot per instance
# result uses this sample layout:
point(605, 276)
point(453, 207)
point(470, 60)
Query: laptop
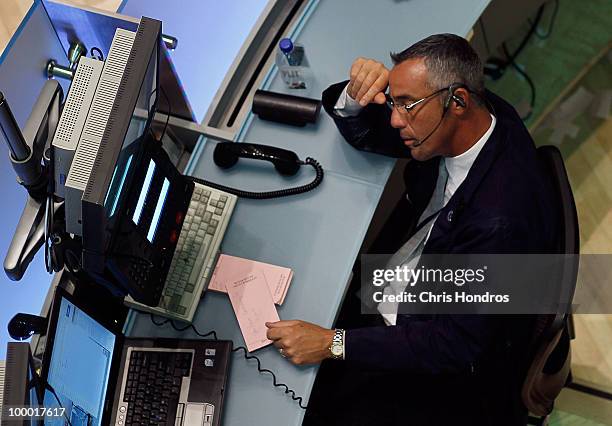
point(103, 378)
point(169, 232)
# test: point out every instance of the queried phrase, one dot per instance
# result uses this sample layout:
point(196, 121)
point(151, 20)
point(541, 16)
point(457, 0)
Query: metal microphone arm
point(29, 155)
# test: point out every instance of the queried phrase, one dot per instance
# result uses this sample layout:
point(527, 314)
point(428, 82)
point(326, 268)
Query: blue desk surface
point(318, 234)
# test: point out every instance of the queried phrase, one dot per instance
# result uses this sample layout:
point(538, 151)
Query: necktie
point(408, 255)
point(416, 242)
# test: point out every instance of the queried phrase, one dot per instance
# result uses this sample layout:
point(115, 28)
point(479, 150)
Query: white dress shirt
point(458, 168)
point(346, 106)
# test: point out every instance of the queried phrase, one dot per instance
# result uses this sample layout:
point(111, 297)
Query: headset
point(451, 97)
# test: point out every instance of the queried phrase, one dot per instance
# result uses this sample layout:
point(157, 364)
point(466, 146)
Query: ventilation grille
point(97, 119)
point(78, 102)
point(2, 368)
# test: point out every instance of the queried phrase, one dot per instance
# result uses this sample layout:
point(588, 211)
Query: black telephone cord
point(271, 194)
point(246, 355)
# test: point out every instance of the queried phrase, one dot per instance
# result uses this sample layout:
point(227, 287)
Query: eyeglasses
point(406, 108)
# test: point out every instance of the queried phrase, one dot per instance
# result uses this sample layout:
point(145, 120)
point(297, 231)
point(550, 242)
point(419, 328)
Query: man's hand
point(369, 81)
point(301, 342)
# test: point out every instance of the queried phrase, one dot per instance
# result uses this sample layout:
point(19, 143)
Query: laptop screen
point(79, 366)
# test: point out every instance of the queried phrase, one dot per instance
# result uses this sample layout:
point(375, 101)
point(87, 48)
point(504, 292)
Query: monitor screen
point(79, 366)
point(153, 197)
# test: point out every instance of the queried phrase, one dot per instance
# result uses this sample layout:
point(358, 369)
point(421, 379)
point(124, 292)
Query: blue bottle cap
point(286, 45)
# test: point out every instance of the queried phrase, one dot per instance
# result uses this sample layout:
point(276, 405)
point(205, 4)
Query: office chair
point(549, 366)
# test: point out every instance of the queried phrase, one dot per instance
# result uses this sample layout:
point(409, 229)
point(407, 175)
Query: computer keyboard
point(195, 255)
point(152, 387)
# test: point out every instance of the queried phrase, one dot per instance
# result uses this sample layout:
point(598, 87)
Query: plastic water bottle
point(292, 64)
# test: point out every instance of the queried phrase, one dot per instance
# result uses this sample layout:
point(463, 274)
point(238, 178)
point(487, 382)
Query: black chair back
point(550, 355)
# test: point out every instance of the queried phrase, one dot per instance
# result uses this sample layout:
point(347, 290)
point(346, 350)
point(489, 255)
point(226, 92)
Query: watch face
point(336, 350)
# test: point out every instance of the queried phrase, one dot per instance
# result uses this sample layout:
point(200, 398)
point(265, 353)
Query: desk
point(318, 234)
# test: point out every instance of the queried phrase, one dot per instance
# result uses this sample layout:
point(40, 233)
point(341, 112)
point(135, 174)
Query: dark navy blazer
point(503, 206)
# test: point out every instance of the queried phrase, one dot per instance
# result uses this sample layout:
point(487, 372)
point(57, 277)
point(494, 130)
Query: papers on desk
point(228, 267)
point(253, 307)
point(253, 288)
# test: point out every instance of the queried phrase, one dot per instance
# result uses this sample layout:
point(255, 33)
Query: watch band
point(337, 346)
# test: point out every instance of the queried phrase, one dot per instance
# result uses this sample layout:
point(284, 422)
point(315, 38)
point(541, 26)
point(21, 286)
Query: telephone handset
point(286, 162)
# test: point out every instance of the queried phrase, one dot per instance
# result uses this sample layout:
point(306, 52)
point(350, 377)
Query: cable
point(271, 194)
point(512, 57)
point(167, 115)
point(495, 67)
point(527, 37)
point(50, 388)
point(289, 391)
point(151, 114)
point(246, 355)
point(181, 329)
point(527, 78)
point(551, 24)
point(100, 56)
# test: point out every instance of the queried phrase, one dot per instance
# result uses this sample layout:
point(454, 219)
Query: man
point(474, 186)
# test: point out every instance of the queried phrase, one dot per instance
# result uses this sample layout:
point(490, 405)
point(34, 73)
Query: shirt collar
point(459, 166)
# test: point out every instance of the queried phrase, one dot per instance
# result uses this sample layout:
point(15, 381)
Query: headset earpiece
point(451, 96)
point(459, 101)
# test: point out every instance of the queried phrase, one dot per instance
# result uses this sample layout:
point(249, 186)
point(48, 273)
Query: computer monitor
point(77, 364)
point(145, 236)
point(20, 386)
point(123, 144)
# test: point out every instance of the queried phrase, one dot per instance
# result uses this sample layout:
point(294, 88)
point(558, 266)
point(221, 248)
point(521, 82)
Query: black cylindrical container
point(288, 109)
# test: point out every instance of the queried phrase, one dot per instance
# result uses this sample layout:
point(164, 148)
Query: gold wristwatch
point(337, 346)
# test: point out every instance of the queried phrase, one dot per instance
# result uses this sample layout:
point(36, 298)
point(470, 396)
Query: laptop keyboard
point(153, 386)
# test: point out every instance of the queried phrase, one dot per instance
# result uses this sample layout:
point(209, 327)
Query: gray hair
point(449, 59)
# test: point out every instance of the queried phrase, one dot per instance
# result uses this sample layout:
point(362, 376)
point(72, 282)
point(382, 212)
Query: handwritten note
point(231, 268)
point(253, 306)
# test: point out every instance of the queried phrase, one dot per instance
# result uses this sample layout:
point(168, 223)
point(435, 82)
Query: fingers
point(368, 79)
point(376, 88)
point(282, 323)
point(367, 86)
point(355, 69)
point(277, 333)
point(362, 82)
point(379, 98)
point(287, 345)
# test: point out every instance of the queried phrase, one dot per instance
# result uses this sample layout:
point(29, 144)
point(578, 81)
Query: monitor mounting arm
point(30, 152)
